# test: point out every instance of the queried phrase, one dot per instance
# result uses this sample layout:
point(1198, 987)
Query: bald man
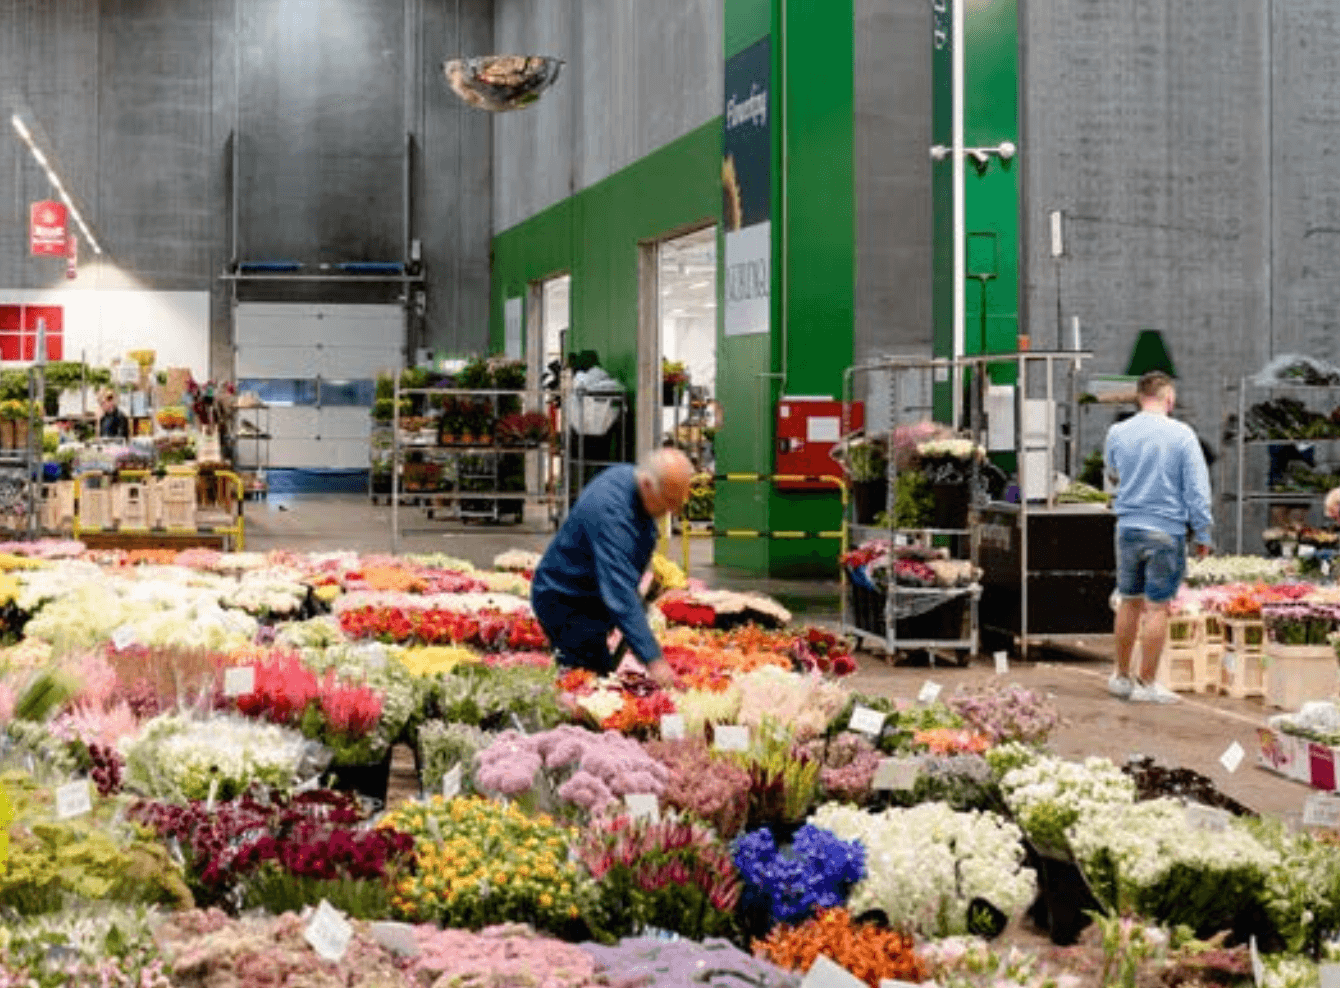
point(587, 582)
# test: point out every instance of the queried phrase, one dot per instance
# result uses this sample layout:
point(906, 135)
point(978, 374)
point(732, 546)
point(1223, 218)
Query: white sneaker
point(1152, 693)
point(1120, 686)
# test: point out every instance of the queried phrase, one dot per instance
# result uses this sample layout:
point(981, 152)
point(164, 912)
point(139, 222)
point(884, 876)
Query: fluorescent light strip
point(56, 183)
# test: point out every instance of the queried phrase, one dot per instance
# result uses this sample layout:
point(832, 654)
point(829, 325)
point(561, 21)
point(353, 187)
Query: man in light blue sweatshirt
point(1163, 487)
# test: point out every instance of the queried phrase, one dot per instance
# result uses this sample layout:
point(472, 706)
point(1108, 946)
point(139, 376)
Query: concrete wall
point(639, 74)
point(137, 99)
point(893, 178)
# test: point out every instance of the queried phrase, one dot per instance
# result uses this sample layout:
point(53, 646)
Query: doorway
point(685, 345)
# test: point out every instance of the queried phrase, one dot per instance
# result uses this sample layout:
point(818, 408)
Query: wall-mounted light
point(981, 157)
point(22, 130)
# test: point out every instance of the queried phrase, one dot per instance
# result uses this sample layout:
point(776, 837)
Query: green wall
point(594, 236)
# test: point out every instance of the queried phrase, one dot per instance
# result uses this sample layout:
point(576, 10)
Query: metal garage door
point(316, 366)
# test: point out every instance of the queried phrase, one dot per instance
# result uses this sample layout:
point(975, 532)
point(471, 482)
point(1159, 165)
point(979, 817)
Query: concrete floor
point(1191, 734)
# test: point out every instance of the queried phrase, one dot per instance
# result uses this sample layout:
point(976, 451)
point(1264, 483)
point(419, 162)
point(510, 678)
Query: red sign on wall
point(46, 228)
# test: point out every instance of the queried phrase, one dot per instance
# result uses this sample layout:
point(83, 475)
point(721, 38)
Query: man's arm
point(618, 580)
point(1196, 491)
point(1108, 467)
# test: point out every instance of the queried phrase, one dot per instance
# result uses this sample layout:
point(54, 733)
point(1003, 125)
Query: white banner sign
point(749, 280)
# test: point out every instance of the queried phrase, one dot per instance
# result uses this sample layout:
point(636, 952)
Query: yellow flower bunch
point(9, 588)
point(479, 863)
point(668, 573)
point(328, 592)
point(9, 561)
point(429, 660)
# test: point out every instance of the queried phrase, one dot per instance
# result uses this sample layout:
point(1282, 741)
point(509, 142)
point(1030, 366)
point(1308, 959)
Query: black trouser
point(578, 628)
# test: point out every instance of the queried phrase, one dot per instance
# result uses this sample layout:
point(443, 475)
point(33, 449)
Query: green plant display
point(866, 461)
point(476, 376)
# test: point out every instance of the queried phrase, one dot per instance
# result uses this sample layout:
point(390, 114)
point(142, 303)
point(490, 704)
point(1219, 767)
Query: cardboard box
point(1296, 758)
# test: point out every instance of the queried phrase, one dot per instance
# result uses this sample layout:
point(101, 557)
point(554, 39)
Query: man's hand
point(1332, 506)
point(1203, 550)
point(659, 670)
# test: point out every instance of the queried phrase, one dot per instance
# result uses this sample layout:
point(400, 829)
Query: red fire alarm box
point(807, 431)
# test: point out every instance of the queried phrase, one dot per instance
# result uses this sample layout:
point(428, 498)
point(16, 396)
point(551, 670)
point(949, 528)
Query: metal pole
point(959, 197)
point(1022, 445)
point(1242, 455)
point(395, 468)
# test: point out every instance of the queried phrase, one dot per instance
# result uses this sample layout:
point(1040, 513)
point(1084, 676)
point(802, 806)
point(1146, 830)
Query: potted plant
point(537, 429)
point(12, 412)
point(449, 421)
point(673, 377)
point(475, 376)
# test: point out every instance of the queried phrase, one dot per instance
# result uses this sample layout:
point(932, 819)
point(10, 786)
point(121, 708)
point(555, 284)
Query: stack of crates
point(1212, 652)
point(95, 502)
point(1180, 668)
point(132, 505)
point(1242, 668)
point(176, 493)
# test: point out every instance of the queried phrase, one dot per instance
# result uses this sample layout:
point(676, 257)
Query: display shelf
point(254, 471)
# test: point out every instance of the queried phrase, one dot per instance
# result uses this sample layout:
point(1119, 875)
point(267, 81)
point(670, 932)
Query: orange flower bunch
point(576, 681)
point(951, 741)
point(869, 952)
point(393, 578)
point(151, 557)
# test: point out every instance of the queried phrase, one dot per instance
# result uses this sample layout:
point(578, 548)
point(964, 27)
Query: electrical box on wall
point(807, 431)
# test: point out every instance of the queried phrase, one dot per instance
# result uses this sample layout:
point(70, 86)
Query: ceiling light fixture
point(54, 179)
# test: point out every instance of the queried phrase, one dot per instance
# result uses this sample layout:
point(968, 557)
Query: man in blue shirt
point(587, 582)
point(1163, 487)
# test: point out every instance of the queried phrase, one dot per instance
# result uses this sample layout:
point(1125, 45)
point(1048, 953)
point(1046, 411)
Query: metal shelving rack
point(1240, 495)
point(455, 501)
point(910, 389)
point(575, 463)
point(256, 419)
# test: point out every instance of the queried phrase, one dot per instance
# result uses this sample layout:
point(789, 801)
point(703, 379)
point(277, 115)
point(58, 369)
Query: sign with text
point(746, 190)
point(47, 220)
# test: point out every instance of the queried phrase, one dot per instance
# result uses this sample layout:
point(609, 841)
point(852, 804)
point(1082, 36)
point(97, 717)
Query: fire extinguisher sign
point(47, 228)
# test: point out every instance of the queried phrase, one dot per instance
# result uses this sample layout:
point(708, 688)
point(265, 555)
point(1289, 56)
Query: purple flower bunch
point(848, 764)
point(1005, 714)
point(715, 790)
point(816, 872)
point(1300, 622)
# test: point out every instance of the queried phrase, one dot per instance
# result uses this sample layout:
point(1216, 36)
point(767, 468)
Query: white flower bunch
point(1213, 570)
point(516, 560)
point(318, 632)
point(1149, 859)
point(1289, 971)
point(39, 585)
point(460, 603)
point(177, 758)
point(1049, 794)
point(959, 449)
point(440, 560)
point(508, 583)
point(805, 702)
point(925, 865)
point(969, 962)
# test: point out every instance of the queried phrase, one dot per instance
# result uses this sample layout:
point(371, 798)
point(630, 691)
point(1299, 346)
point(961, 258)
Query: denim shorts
point(1150, 564)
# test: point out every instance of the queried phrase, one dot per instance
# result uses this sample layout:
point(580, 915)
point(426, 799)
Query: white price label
point(451, 783)
point(239, 680)
point(398, 938)
point(930, 692)
point(866, 721)
point(73, 799)
point(213, 795)
point(825, 973)
point(329, 933)
point(731, 737)
point(1232, 757)
point(672, 727)
point(1002, 663)
point(1200, 817)
point(1330, 975)
point(307, 786)
point(643, 805)
point(1258, 968)
point(123, 637)
point(1322, 810)
point(896, 774)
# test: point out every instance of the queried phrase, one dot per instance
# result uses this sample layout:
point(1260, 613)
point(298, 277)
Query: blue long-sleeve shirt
point(1163, 483)
point(598, 557)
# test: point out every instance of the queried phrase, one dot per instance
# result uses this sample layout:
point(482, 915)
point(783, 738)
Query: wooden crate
point(1179, 668)
point(131, 504)
point(1242, 674)
point(1211, 659)
point(178, 497)
point(1243, 635)
point(1296, 674)
point(95, 502)
point(1213, 629)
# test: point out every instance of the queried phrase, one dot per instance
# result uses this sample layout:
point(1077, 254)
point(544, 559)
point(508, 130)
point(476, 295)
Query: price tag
point(398, 938)
point(896, 774)
point(123, 637)
point(930, 692)
point(731, 738)
point(1232, 757)
point(213, 795)
point(1258, 968)
point(825, 973)
point(307, 786)
point(516, 722)
point(1002, 663)
point(328, 933)
point(73, 799)
point(239, 680)
point(1321, 810)
point(672, 727)
point(451, 783)
point(643, 805)
point(1200, 817)
point(866, 721)
point(1330, 975)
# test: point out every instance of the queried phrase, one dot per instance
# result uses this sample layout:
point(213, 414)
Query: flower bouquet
point(90, 947)
point(927, 867)
point(443, 746)
point(848, 763)
point(492, 698)
point(872, 953)
point(783, 778)
point(789, 884)
point(805, 702)
point(1300, 623)
point(710, 787)
point(1048, 795)
point(672, 874)
point(479, 863)
point(1148, 858)
point(1012, 713)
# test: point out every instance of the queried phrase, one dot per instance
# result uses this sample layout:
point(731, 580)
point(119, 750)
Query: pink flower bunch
point(7, 700)
point(96, 725)
point(202, 559)
point(97, 679)
point(282, 689)
point(712, 789)
point(506, 660)
point(499, 955)
point(44, 549)
point(350, 710)
point(508, 766)
point(1012, 713)
point(848, 764)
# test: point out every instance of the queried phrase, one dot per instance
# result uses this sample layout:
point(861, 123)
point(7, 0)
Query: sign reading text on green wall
point(746, 190)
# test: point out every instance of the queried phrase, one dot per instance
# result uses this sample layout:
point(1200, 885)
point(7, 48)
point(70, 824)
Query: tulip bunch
point(434, 626)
